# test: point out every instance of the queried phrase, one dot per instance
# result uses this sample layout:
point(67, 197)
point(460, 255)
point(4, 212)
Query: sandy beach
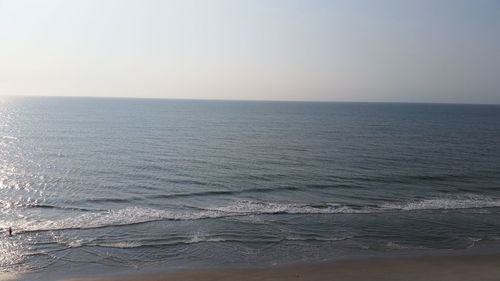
point(456, 268)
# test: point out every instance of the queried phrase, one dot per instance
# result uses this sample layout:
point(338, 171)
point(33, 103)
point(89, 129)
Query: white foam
point(75, 243)
point(199, 237)
point(473, 241)
point(124, 216)
point(251, 207)
point(134, 215)
point(394, 245)
point(122, 245)
point(460, 202)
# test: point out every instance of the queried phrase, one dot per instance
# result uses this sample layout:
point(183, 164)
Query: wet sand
point(452, 268)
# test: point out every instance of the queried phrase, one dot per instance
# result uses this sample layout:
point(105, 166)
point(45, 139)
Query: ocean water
point(92, 186)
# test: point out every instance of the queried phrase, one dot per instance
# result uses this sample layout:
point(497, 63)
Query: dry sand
point(473, 268)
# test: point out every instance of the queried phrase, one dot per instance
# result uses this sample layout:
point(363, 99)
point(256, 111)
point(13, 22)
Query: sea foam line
point(137, 215)
point(469, 201)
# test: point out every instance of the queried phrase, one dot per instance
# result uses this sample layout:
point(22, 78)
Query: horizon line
point(245, 100)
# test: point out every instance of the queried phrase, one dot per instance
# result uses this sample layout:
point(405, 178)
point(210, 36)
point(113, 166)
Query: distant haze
point(353, 50)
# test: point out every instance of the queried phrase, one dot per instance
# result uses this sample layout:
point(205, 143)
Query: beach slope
point(456, 268)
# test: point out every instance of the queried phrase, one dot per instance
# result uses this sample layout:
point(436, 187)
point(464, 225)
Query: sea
point(96, 186)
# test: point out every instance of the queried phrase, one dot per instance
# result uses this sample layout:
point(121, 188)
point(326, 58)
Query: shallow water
point(101, 185)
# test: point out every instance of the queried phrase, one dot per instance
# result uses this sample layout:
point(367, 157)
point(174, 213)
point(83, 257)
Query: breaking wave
point(136, 215)
point(460, 202)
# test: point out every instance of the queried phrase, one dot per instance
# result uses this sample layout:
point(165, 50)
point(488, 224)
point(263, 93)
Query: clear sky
point(352, 50)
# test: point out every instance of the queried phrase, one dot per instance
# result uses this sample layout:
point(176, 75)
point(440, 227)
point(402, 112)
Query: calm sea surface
point(105, 185)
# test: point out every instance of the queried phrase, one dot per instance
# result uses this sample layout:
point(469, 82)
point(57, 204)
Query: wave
point(203, 238)
point(316, 238)
point(194, 238)
point(136, 215)
point(200, 237)
point(470, 201)
point(255, 208)
point(11, 205)
point(89, 220)
point(188, 194)
point(110, 200)
point(121, 245)
point(222, 192)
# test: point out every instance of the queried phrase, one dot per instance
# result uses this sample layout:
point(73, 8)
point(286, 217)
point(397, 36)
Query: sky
point(351, 50)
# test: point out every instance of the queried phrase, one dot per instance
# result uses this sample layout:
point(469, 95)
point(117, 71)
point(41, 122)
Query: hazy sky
point(373, 50)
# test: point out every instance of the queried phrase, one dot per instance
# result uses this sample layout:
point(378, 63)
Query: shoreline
point(442, 268)
point(482, 251)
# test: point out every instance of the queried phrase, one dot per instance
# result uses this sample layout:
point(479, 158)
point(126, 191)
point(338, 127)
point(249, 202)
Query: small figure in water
point(10, 231)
